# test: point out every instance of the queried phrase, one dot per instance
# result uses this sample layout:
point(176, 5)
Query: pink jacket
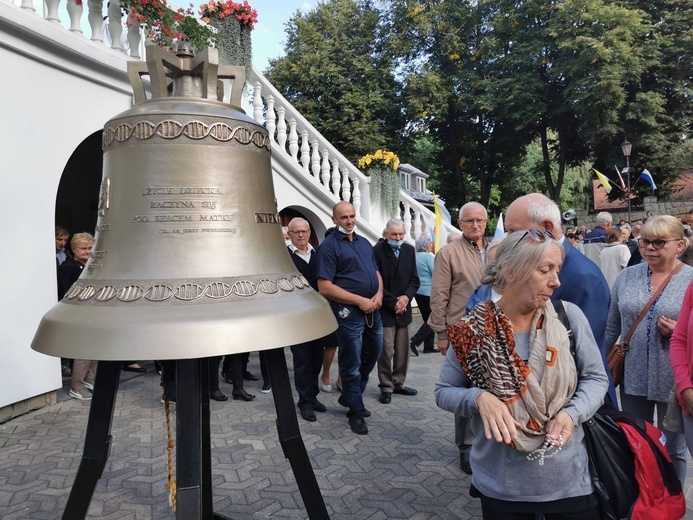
point(681, 348)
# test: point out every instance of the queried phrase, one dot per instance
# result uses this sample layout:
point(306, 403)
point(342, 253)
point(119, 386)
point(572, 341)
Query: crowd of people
point(524, 324)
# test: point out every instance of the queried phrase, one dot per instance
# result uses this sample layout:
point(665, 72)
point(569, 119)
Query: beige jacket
point(457, 271)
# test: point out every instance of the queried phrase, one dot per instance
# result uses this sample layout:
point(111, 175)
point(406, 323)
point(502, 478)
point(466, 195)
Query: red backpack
point(660, 494)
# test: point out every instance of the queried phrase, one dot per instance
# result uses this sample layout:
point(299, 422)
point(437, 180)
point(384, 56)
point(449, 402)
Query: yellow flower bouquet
point(379, 158)
point(382, 167)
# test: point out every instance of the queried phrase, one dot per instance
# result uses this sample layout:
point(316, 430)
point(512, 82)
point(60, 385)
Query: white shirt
point(305, 256)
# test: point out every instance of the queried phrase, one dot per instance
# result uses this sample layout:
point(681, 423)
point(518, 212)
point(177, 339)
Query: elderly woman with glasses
point(647, 372)
point(513, 370)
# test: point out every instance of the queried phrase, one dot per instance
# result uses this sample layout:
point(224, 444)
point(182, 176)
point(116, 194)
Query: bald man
point(582, 283)
point(348, 277)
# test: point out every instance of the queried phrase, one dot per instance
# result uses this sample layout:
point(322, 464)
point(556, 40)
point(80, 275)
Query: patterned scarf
point(534, 391)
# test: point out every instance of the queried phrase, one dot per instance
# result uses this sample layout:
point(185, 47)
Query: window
point(406, 181)
point(421, 184)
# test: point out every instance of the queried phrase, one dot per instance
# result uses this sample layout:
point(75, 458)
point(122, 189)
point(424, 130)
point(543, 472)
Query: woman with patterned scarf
point(512, 371)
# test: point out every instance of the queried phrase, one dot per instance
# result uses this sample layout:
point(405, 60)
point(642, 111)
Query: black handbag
point(612, 465)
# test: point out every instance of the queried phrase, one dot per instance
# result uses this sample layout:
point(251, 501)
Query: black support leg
point(97, 442)
point(290, 436)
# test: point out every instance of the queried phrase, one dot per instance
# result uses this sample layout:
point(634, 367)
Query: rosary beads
point(547, 450)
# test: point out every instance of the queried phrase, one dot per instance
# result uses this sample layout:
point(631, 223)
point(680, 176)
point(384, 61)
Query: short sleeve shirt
point(348, 264)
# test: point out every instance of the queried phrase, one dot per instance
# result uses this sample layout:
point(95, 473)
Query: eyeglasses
point(474, 220)
point(538, 235)
point(300, 232)
point(657, 243)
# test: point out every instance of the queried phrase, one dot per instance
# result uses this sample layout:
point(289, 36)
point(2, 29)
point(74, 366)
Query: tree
point(338, 74)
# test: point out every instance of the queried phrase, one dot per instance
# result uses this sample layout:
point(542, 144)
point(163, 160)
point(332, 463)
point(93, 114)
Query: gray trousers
point(463, 433)
point(394, 358)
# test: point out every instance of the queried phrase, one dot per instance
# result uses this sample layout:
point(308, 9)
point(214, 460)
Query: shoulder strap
point(659, 290)
point(563, 316)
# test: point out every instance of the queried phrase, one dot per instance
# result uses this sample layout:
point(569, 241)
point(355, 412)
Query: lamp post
point(625, 148)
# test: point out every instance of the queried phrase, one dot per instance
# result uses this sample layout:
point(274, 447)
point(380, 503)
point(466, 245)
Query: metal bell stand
point(193, 453)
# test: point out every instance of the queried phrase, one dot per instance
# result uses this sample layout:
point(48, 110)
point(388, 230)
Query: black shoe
point(464, 463)
point(266, 387)
point(308, 414)
point(318, 406)
point(404, 390)
point(385, 397)
point(366, 413)
point(431, 350)
point(413, 349)
point(227, 377)
point(242, 395)
point(218, 396)
point(358, 425)
point(247, 376)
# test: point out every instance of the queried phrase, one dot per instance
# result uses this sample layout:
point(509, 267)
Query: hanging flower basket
point(234, 21)
point(382, 167)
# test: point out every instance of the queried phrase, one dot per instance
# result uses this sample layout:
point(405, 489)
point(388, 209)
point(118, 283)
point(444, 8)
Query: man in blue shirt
point(348, 277)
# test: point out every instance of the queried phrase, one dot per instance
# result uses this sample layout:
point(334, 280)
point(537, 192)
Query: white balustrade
point(305, 150)
point(95, 18)
point(325, 169)
point(135, 38)
point(293, 139)
point(335, 177)
point(52, 10)
point(417, 223)
point(281, 127)
point(74, 12)
point(356, 195)
point(407, 219)
point(28, 5)
point(115, 24)
point(315, 159)
point(257, 101)
point(271, 117)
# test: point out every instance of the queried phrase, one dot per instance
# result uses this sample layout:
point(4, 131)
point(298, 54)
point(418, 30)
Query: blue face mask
point(396, 244)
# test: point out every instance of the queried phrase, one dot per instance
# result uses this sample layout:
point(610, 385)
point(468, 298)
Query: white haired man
point(457, 272)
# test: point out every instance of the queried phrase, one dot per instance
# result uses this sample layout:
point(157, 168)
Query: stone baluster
point(305, 150)
point(407, 219)
point(257, 101)
point(335, 177)
point(95, 18)
point(74, 12)
point(293, 139)
point(356, 195)
point(28, 5)
point(52, 10)
point(115, 25)
point(281, 127)
point(134, 38)
point(271, 117)
point(417, 223)
point(325, 168)
point(346, 186)
point(315, 159)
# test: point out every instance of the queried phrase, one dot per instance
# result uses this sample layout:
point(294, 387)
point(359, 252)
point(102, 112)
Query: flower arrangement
point(384, 186)
point(382, 157)
point(245, 14)
point(165, 27)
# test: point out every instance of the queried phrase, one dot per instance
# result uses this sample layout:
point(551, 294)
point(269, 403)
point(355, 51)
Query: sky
point(269, 35)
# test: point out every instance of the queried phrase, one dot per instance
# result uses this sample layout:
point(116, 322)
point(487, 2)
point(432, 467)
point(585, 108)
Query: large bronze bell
point(189, 259)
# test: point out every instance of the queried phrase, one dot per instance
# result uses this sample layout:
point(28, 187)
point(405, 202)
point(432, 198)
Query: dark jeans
point(425, 334)
point(360, 344)
point(307, 365)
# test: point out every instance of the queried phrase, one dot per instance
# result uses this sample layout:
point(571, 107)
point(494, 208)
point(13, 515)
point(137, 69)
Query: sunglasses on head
point(538, 235)
point(657, 243)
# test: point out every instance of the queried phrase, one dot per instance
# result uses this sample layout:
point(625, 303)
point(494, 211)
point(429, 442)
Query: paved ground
point(407, 467)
